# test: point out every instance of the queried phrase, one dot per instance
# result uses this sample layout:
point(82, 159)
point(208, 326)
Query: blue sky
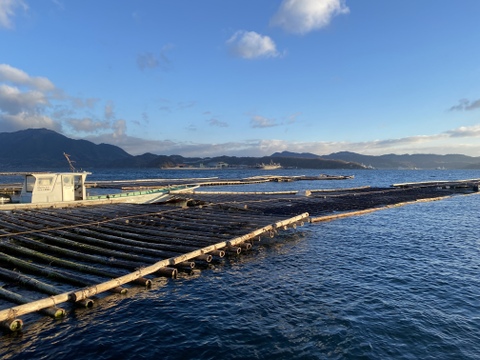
point(245, 77)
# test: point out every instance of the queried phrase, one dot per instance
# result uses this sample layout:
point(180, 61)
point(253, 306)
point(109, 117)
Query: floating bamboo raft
point(52, 259)
point(52, 256)
point(143, 184)
point(323, 202)
point(212, 181)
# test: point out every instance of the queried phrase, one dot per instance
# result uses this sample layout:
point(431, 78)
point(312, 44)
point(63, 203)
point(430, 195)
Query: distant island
point(37, 149)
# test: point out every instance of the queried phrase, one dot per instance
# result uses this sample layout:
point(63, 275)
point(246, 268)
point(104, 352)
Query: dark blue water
point(402, 283)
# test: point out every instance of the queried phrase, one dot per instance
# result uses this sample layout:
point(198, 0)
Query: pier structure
point(52, 259)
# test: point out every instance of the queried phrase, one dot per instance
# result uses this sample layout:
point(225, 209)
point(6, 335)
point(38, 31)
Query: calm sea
point(402, 283)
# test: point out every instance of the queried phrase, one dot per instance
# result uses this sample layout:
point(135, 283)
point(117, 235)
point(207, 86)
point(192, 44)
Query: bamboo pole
point(53, 311)
point(30, 282)
point(219, 253)
point(184, 249)
point(142, 243)
point(78, 255)
point(97, 249)
point(167, 272)
point(76, 266)
point(52, 260)
point(12, 325)
point(234, 250)
point(246, 246)
point(368, 211)
point(189, 240)
point(99, 288)
point(219, 218)
point(45, 271)
point(172, 234)
point(185, 264)
point(157, 232)
point(205, 257)
point(127, 247)
point(237, 193)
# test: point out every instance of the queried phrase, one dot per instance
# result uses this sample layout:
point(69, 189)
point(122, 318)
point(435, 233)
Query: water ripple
point(400, 284)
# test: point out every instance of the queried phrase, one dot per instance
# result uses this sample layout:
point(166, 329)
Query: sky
point(245, 77)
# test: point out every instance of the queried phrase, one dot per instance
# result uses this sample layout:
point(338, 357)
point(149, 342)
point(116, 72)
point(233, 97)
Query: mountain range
point(394, 161)
point(42, 149)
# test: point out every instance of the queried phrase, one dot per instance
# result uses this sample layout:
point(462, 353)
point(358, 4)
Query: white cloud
point(26, 120)
point(119, 128)
point(447, 142)
point(250, 45)
point(7, 11)
point(303, 16)
point(18, 77)
point(134, 145)
point(464, 131)
point(34, 102)
point(24, 99)
point(13, 101)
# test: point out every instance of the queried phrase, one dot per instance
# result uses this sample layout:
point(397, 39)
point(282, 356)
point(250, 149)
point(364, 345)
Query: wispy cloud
point(182, 105)
point(87, 125)
point(258, 121)
point(137, 16)
point(441, 143)
point(191, 127)
point(147, 61)
point(109, 111)
point(465, 104)
point(59, 4)
point(170, 106)
point(218, 123)
point(150, 60)
point(303, 16)
point(251, 45)
point(8, 11)
point(81, 103)
point(293, 118)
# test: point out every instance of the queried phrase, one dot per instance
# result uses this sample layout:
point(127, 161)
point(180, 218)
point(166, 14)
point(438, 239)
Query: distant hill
point(289, 154)
point(42, 149)
point(406, 161)
point(287, 162)
point(392, 161)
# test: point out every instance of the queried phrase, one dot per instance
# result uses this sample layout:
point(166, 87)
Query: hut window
point(77, 181)
point(45, 181)
point(67, 180)
point(30, 183)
